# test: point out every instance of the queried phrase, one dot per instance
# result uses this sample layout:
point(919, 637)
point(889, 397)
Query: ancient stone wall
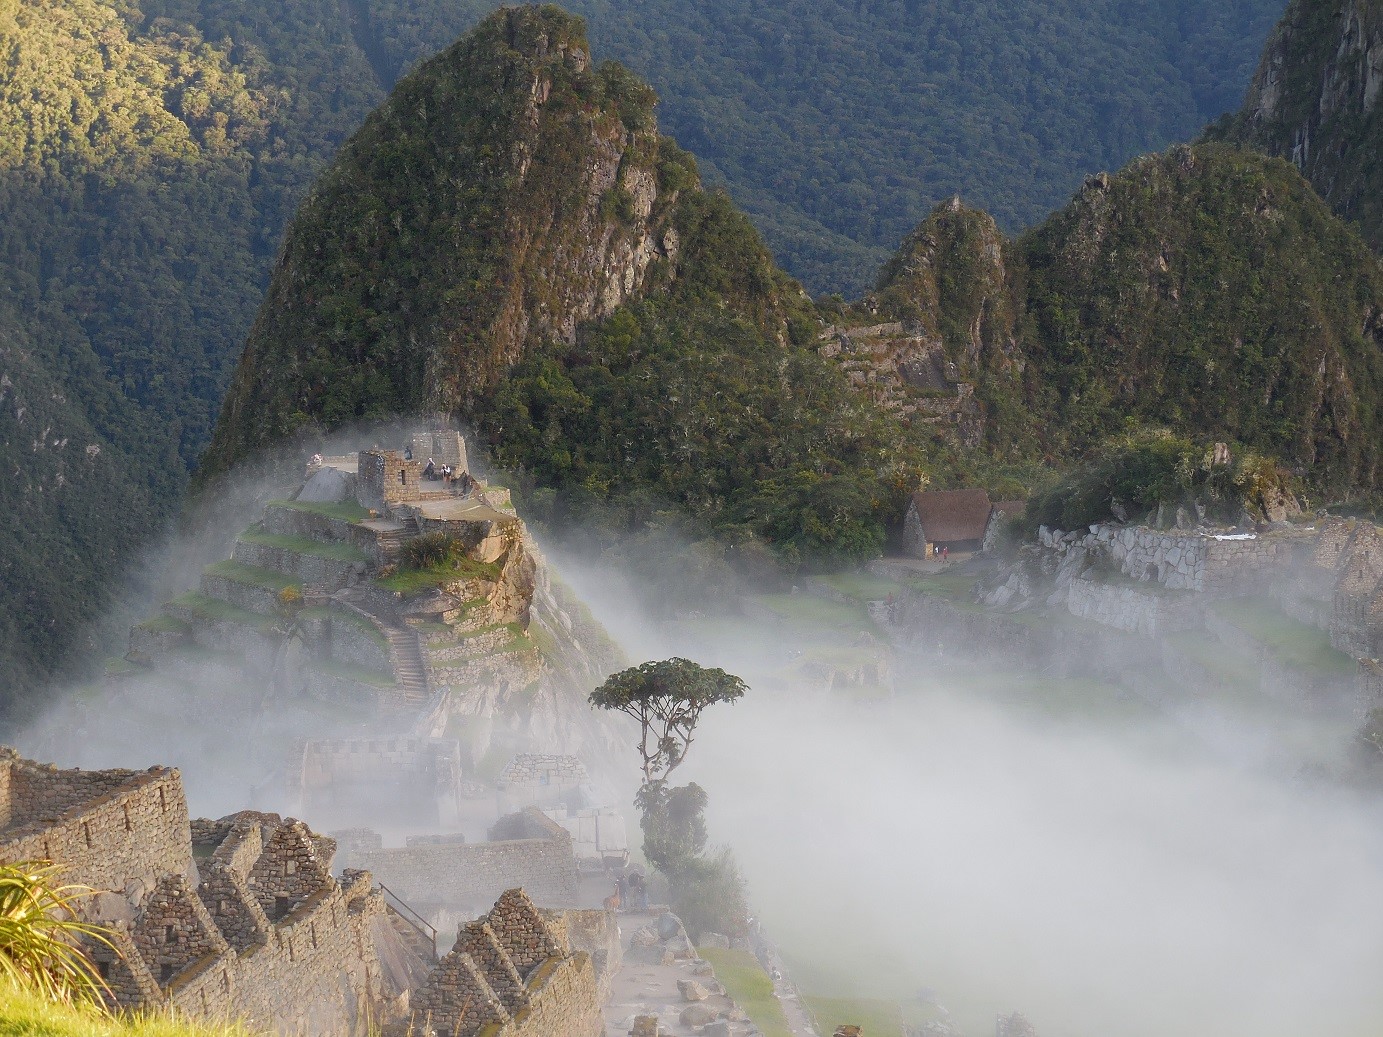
point(1356, 620)
point(542, 771)
point(1128, 608)
point(267, 936)
point(511, 974)
point(525, 850)
point(326, 574)
point(596, 933)
point(1181, 561)
point(108, 828)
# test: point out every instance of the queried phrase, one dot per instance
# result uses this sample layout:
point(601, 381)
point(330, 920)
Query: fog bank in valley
point(1108, 874)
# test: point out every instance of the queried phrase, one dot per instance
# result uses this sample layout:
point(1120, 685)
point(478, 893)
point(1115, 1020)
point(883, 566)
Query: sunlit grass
point(874, 1018)
point(26, 1014)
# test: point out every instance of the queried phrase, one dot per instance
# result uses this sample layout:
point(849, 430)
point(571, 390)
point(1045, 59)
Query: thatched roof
point(950, 515)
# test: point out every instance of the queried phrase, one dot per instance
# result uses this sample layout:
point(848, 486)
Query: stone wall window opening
point(86, 833)
point(403, 477)
point(165, 973)
point(162, 799)
point(169, 934)
point(103, 970)
point(280, 907)
point(129, 825)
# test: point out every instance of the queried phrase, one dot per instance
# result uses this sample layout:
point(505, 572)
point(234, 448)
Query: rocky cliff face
point(1317, 101)
point(507, 193)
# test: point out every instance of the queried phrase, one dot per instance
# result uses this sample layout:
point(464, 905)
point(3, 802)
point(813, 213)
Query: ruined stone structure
point(540, 779)
point(526, 848)
point(1204, 562)
point(238, 918)
point(319, 598)
point(350, 774)
point(511, 973)
point(908, 372)
point(1356, 618)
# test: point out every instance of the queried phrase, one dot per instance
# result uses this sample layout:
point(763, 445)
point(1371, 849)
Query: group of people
point(433, 472)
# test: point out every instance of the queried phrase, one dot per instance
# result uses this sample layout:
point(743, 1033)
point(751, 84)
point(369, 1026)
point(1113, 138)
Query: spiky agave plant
point(40, 934)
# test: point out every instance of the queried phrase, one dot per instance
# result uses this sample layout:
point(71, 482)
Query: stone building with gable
point(238, 918)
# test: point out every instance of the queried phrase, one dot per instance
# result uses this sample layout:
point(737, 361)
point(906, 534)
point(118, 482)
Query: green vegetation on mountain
point(1212, 291)
point(552, 270)
point(152, 151)
point(1317, 101)
point(149, 156)
point(834, 123)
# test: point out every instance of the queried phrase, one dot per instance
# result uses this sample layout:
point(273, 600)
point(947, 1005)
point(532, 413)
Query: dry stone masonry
point(238, 918)
point(510, 974)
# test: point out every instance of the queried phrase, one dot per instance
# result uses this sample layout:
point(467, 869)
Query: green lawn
point(252, 575)
point(345, 511)
point(874, 1018)
point(337, 552)
point(750, 986)
point(216, 610)
point(23, 1014)
point(1296, 644)
point(862, 586)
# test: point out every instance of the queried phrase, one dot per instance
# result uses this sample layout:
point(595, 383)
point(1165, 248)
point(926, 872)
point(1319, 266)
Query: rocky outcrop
point(1314, 101)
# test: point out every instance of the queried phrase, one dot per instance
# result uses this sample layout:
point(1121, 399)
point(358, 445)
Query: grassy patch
point(252, 575)
point(352, 672)
point(369, 629)
point(345, 511)
point(1295, 644)
point(336, 552)
point(809, 608)
point(23, 1014)
point(415, 581)
point(119, 666)
point(862, 586)
point(874, 1018)
point(955, 585)
point(1210, 656)
point(165, 625)
point(751, 987)
point(214, 610)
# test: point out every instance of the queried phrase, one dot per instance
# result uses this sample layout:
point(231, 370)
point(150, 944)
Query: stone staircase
point(405, 651)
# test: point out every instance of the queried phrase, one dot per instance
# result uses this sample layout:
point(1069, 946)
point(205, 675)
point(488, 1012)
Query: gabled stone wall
point(510, 974)
point(267, 936)
point(109, 829)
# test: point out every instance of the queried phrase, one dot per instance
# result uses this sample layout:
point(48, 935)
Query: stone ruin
point(511, 973)
point(314, 603)
point(237, 918)
point(417, 779)
point(446, 873)
point(241, 918)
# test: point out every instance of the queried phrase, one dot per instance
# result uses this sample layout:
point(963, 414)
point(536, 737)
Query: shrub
point(39, 931)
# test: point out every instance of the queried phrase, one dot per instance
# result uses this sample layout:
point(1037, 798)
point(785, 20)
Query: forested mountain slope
point(146, 169)
point(509, 239)
point(1206, 289)
point(836, 123)
point(1317, 100)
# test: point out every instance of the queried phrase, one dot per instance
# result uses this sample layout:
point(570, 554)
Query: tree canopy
point(667, 698)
